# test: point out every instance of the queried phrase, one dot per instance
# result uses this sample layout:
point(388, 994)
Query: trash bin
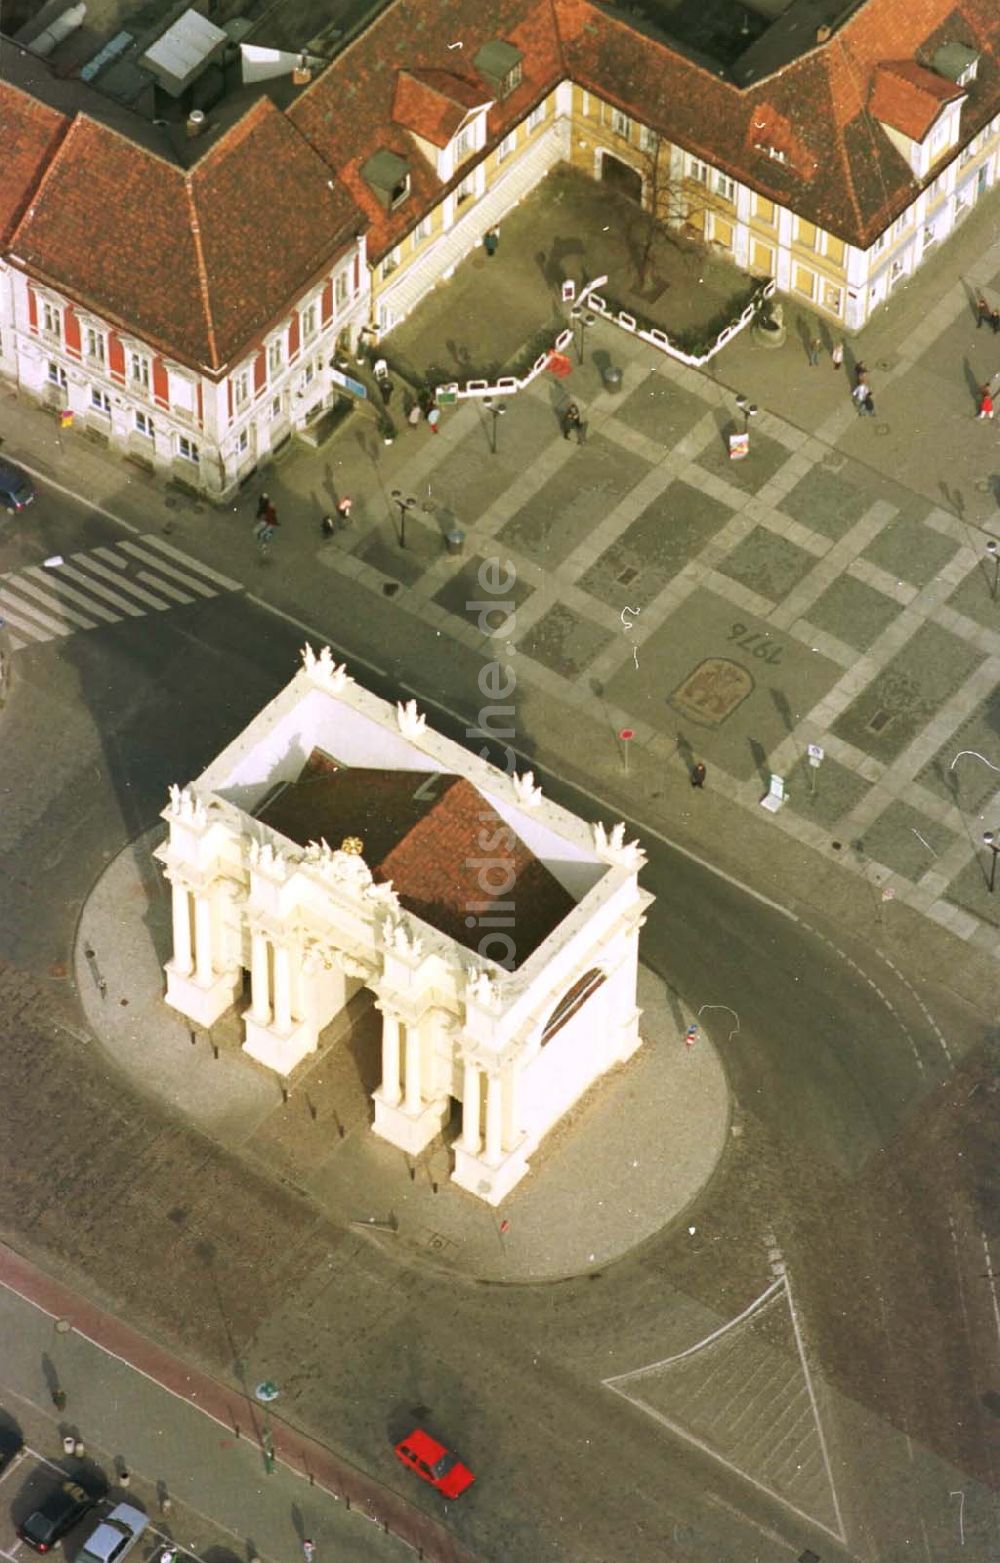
point(455, 539)
point(612, 378)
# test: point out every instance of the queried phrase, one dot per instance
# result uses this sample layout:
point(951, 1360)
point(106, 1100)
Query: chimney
point(822, 34)
point(195, 123)
point(302, 74)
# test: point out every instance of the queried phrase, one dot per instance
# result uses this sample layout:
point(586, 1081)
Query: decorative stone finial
point(411, 721)
point(267, 860)
point(527, 794)
point(353, 845)
point(322, 669)
point(613, 848)
point(185, 806)
point(398, 933)
point(481, 989)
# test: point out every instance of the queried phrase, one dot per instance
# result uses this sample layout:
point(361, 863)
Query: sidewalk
point(853, 548)
point(626, 1162)
point(180, 1433)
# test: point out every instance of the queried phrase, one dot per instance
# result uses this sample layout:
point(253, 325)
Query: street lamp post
point(265, 1393)
point(993, 553)
point(405, 504)
point(496, 411)
point(584, 318)
point(748, 409)
point(990, 840)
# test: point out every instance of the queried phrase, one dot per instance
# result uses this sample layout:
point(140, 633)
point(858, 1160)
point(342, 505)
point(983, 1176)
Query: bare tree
point(669, 205)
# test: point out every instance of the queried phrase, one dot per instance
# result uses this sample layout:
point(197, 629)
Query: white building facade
point(516, 1044)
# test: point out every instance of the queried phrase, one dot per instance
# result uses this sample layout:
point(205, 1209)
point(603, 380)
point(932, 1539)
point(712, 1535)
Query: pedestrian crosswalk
point(103, 585)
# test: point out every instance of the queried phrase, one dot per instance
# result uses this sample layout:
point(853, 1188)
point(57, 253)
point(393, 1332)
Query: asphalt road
point(862, 1163)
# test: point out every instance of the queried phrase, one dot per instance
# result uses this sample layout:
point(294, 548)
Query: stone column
point(494, 1118)
point(260, 985)
point(390, 1060)
point(412, 1101)
point(282, 988)
point(203, 939)
point(181, 910)
point(470, 1110)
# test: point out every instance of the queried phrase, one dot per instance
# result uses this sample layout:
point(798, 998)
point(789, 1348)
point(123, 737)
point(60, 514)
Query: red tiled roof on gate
point(194, 262)
point(909, 98)
point(425, 832)
point(29, 135)
point(433, 104)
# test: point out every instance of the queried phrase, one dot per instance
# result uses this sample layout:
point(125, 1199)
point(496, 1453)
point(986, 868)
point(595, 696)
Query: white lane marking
point(192, 564)
point(102, 591)
point(110, 555)
point(171, 570)
point(164, 586)
point(124, 584)
point(706, 1340)
point(57, 585)
point(57, 613)
point(24, 624)
point(812, 1396)
point(765, 1530)
point(17, 645)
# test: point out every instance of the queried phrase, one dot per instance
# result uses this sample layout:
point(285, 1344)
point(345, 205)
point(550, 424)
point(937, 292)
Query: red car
point(431, 1460)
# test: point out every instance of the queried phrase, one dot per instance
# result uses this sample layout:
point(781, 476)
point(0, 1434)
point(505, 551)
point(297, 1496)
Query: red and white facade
point(207, 430)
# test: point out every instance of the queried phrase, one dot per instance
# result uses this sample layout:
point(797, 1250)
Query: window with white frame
point(466, 190)
point(243, 441)
point(276, 407)
point(275, 356)
point(100, 401)
point(341, 288)
point(241, 388)
point(138, 371)
point(422, 231)
point(621, 125)
point(308, 373)
point(143, 424)
point(649, 140)
point(310, 322)
point(833, 298)
point(93, 345)
point(513, 79)
point(463, 144)
point(879, 244)
point(506, 146)
point(51, 319)
point(390, 263)
point(57, 374)
point(536, 116)
point(186, 448)
point(901, 223)
point(725, 187)
point(399, 192)
point(698, 170)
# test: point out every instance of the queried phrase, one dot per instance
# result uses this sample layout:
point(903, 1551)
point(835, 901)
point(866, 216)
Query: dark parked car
point(10, 1446)
point(16, 489)
point(58, 1511)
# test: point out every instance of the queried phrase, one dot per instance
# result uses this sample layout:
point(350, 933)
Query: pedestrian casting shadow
point(806, 333)
point(56, 1393)
point(972, 296)
point(552, 266)
point(953, 498)
point(973, 381)
point(783, 709)
point(760, 760)
point(685, 751)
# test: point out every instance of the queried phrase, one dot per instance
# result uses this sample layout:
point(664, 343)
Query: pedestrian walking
point(984, 315)
point(491, 241)
point(264, 532)
point(262, 505)
point(837, 355)
point(573, 421)
point(869, 404)
point(433, 417)
point(815, 348)
point(860, 373)
point(995, 320)
point(698, 774)
point(386, 387)
point(328, 526)
point(858, 395)
point(308, 1549)
point(344, 507)
point(691, 1036)
point(985, 402)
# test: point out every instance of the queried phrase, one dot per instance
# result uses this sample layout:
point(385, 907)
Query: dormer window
point(501, 65)
point(956, 63)
point(389, 177)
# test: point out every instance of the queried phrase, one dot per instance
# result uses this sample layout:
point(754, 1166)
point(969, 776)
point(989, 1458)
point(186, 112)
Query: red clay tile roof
point(840, 170)
point(29, 134)
point(195, 263)
point(431, 835)
point(910, 98)
point(347, 113)
point(433, 104)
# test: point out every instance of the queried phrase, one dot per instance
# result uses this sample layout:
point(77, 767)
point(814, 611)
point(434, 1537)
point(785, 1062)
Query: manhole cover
point(879, 720)
point(882, 428)
point(627, 576)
